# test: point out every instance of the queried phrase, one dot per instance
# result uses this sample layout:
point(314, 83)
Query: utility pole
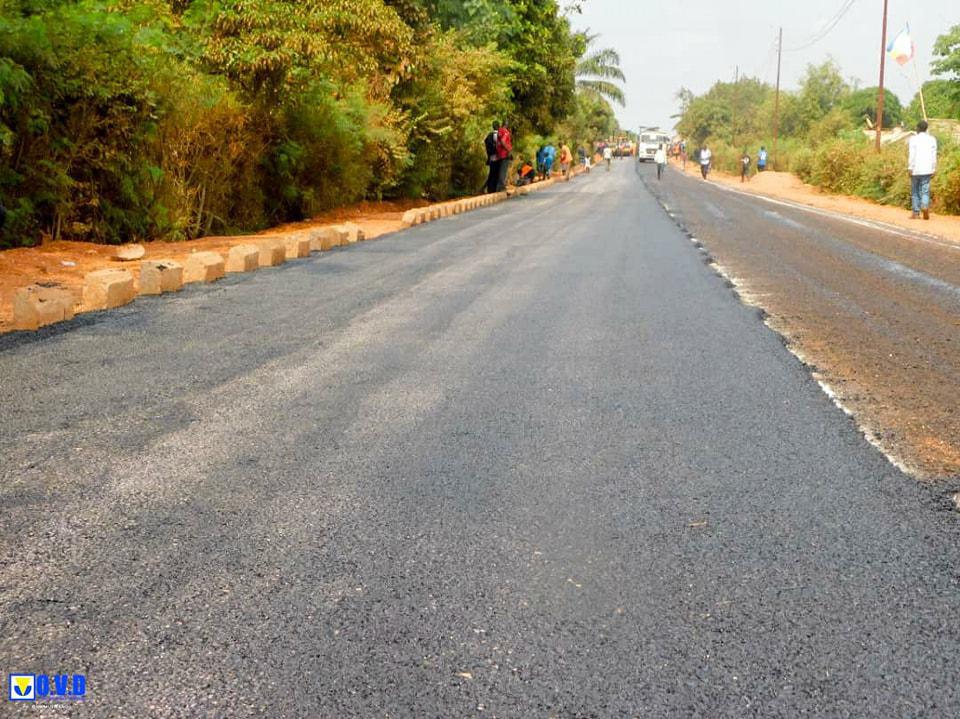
point(776, 105)
point(883, 62)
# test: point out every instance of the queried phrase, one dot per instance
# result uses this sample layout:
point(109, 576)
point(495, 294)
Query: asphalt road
point(875, 309)
point(533, 461)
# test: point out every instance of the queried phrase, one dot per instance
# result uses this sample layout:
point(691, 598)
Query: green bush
point(946, 184)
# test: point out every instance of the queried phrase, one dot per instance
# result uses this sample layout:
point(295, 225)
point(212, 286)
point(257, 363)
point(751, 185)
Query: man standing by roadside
point(504, 152)
point(706, 157)
point(493, 162)
point(762, 159)
point(922, 163)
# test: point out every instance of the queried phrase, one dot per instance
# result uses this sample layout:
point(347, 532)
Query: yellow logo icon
point(22, 687)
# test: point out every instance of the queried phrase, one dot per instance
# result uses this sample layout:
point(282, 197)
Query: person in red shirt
point(504, 153)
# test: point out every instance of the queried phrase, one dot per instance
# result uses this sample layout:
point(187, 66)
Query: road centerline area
point(536, 459)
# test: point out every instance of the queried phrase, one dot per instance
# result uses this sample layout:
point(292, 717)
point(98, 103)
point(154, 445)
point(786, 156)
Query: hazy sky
point(667, 44)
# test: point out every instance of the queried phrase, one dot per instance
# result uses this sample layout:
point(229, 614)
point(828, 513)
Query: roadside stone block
point(272, 252)
point(410, 218)
point(35, 306)
point(129, 253)
point(243, 258)
point(204, 267)
point(349, 233)
point(326, 238)
point(159, 276)
point(105, 289)
point(296, 245)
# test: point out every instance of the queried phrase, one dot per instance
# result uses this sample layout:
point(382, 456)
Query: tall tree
point(598, 72)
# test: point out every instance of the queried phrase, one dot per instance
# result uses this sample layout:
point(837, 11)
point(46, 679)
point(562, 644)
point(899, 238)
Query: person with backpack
point(762, 159)
point(493, 162)
point(504, 152)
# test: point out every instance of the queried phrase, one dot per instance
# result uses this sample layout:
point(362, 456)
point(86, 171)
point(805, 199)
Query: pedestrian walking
point(661, 159)
point(922, 163)
point(493, 161)
point(504, 153)
point(745, 167)
point(762, 159)
point(683, 155)
point(566, 159)
point(706, 157)
point(608, 156)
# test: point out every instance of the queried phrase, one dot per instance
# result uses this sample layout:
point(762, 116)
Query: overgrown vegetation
point(142, 119)
point(822, 123)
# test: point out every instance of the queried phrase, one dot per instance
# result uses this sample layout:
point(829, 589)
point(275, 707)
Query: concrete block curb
point(159, 276)
point(35, 306)
point(272, 252)
point(106, 289)
point(243, 258)
point(324, 239)
point(349, 233)
point(204, 267)
point(297, 246)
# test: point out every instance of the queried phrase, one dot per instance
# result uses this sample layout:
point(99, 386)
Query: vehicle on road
point(648, 142)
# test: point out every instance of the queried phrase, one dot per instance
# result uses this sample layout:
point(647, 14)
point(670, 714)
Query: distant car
point(648, 144)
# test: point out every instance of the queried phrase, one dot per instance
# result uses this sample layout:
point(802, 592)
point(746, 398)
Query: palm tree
point(598, 72)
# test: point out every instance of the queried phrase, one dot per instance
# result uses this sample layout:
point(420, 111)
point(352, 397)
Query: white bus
point(650, 139)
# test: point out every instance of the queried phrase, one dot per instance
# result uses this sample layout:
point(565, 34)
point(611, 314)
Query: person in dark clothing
point(3, 215)
point(493, 162)
point(504, 152)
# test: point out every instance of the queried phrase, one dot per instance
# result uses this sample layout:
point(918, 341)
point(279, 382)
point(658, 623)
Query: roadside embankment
point(53, 282)
point(786, 186)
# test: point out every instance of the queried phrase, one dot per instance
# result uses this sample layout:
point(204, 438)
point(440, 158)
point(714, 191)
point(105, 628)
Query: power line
point(826, 29)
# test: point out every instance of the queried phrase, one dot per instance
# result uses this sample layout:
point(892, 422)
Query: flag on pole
point(901, 48)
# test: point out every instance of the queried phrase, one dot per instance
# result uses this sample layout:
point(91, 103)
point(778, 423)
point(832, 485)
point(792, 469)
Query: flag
point(901, 48)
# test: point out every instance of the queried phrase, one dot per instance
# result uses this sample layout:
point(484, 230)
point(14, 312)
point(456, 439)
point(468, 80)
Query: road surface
point(875, 309)
point(533, 461)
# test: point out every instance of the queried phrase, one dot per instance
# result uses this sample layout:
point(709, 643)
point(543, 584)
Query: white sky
point(667, 44)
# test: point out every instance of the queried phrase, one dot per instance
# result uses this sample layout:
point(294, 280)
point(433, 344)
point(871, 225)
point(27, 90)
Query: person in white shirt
point(706, 157)
point(661, 159)
point(922, 164)
point(607, 156)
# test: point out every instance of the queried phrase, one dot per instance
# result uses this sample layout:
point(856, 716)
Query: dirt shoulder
point(785, 186)
point(66, 263)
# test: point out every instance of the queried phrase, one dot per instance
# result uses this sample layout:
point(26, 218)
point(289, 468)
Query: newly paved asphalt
point(533, 461)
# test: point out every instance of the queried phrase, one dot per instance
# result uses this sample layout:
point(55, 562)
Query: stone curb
point(39, 305)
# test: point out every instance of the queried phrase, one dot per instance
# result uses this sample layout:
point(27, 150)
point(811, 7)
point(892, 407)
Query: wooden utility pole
point(883, 64)
point(776, 105)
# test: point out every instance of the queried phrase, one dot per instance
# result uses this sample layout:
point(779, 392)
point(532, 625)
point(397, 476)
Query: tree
point(946, 50)
point(861, 104)
point(942, 99)
point(943, 95)
point(598, 72)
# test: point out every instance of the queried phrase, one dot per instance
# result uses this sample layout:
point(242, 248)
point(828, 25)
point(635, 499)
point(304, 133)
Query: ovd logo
point(23, 687)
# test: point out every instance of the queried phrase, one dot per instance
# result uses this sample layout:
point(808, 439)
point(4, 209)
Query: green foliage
point(123, 119)
point(821, 130)
point(861, 105)
point(946, 51)
point(942, 98)
point(598, 73)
